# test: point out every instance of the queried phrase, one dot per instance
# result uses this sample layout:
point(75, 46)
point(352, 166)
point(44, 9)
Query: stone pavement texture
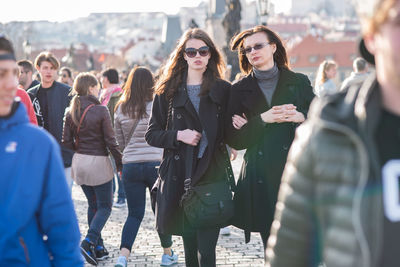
point(231, 250)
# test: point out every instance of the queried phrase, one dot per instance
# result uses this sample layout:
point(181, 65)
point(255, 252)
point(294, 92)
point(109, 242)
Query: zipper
point(26, 252)
point(357, 199)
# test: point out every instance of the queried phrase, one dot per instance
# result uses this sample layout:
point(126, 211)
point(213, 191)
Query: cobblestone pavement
point(231, 250)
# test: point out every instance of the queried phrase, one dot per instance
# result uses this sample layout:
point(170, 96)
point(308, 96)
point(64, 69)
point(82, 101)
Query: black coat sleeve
point(156, 134)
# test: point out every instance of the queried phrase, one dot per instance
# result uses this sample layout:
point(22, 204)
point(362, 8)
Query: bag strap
point(169, 117)
point(135, 124)
point(80, 124)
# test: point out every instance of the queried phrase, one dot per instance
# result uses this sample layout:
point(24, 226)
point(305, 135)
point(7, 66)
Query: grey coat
point(327, 211)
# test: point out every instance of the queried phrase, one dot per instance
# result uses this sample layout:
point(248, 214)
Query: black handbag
point(154, 189)
point(208, 205)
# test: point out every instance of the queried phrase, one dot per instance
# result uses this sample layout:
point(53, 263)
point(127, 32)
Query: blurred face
point(105, 82)
point(94, 91)
point(385, 45)
point(8, 85)
point(64, 76)
point(258, 50)
point(331, 72)
point(196, 54)
point(47, 73)
point(23, 78)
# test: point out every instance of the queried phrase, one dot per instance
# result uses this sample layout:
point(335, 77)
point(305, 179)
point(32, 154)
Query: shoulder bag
point(80, 124)
point(208, 205)
point(154, 189)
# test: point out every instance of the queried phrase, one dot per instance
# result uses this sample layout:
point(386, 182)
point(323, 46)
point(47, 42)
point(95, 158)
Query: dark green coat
point(267, 146)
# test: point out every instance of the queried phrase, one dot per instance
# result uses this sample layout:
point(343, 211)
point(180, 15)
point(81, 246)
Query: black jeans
point(136, 178)
point(99, 199)
point(199, 245)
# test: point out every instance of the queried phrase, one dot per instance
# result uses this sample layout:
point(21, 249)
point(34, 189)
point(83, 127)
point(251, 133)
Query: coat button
point(259, 181)
point(260, 153)
point(217, 115)
point(178, 116)
point(285, 147)
point(174, 178)
point(176, 157)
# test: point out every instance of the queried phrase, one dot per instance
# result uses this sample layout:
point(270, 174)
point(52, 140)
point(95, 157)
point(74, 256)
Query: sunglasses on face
point(192, 52)
point(247, 50)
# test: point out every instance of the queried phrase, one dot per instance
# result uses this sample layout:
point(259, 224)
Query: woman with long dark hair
point(139, 160)
point(188, 116)
point(88, 131)
point(266, 105)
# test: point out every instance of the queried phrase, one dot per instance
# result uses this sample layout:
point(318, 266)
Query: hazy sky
point(62, 10)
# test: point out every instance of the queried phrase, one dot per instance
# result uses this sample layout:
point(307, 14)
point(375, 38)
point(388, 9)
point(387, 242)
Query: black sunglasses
point(192, 52)
point(248, 50)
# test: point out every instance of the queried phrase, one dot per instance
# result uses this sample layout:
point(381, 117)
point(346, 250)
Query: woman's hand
point(294, 116)
point(239, 121)
point(278, 113)
point(190, 137)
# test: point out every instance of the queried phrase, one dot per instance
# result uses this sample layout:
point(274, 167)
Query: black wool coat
point(267, 146)
point(211, 167)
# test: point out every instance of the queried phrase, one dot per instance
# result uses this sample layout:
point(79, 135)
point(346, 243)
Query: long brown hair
point(137, 91)
point(80, 88)
point(176, 68)
point(280, 55)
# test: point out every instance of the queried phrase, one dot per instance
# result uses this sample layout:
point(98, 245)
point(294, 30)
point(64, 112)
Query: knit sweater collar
point(266, 74)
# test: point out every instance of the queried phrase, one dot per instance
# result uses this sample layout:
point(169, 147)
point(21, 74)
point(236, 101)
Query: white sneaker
point(225, 231)
point(167, 260)
point(121, 262)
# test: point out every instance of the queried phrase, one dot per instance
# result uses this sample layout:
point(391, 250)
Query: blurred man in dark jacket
point(339, 199)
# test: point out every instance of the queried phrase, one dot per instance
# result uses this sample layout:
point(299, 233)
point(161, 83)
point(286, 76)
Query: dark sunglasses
point(192, 52)
point(248, 50)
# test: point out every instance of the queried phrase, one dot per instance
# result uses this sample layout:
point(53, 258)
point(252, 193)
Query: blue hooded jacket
point(38, 224)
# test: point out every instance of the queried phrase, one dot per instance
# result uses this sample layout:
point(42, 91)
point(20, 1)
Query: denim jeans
point(99, 209)
point(136, 178)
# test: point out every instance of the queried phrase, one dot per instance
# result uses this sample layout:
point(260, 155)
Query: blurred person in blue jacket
point(38, 224)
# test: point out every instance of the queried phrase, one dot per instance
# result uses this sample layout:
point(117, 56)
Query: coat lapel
point(208, 118)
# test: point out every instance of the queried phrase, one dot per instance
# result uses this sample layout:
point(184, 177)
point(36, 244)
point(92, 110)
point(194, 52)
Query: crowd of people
point(319, 180)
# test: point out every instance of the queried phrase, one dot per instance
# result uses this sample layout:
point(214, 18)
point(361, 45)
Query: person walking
point(109, 97)
point(50, 99)
point(339, 199)
point(139, 159)
point(188, 120)
point(324, 84)
point(88, 131)
point(266, 107)
point(358, 75)
point(34, 198)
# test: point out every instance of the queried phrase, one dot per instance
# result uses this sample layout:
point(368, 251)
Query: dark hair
point(359, 64)
point(49, 57)
point(68, 70)
point(27, 65)
point(112, 75)
point(81, 86)
point(137, 91)
point(280, 55)
point(6, 45)
point(175, 69)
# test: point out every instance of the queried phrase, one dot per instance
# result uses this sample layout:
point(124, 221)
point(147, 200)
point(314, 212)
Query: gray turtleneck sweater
point(267, 80)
